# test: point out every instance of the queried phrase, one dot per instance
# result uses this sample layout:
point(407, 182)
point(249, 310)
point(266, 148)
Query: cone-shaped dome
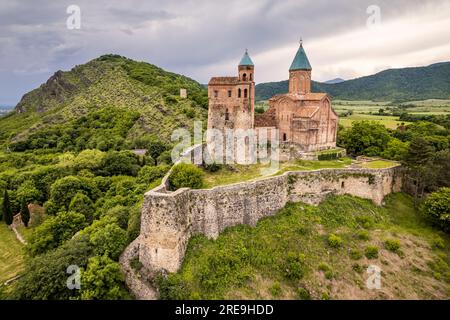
point(246, 61)
point(301, 61)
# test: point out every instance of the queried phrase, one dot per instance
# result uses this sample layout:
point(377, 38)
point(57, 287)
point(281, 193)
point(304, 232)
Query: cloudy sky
point(347, 39)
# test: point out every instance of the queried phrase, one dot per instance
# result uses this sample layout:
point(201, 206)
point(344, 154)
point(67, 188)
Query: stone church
point(305, 120)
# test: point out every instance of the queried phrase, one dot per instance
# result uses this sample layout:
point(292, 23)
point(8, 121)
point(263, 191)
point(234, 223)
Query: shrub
point(334, 241)
point(363, 235)
point(44, 277)
point(355, 254)
point(63, 190)
point(294, 266)
point(120, 163)
point(82, 204)
point(275, 289)
point(54, 231)
point(103, 279)
point(357, 268)
point(371, 252)
point(89, 159)
point(327, 270)
point(186, 175)
point(392, 245)
point(437, 208)
point(212, 167)
point(109, 240)
point(365, 221)
point(27, 192)
point(303, 294)
point(149, 174)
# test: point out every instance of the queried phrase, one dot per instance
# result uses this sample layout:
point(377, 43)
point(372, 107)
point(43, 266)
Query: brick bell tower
point(300, 73)
point(246, 91)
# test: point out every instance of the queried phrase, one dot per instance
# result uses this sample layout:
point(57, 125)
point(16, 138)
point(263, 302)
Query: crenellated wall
point(169, 219)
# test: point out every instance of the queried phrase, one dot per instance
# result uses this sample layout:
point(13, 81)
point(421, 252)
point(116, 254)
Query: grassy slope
point(253, 263)
point(11, 254)
point(110, 81)
point(240, 173)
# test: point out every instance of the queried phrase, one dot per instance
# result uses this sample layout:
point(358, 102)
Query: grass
point(379, 164)
point(11, 254)
point(390, 122)
point(239, 173)
point(290, 250)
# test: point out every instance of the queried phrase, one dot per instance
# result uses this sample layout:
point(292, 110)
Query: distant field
point(388, 121)
point(426, 106)
point(367, 110)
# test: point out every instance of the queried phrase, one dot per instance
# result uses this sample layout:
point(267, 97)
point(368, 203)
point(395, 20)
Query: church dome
point(246, 61)
point(301, 61)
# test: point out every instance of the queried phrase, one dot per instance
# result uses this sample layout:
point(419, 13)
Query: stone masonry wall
point(169, 219)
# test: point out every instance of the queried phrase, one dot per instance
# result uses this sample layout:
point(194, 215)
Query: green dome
point(246, 61)
point(301, 61)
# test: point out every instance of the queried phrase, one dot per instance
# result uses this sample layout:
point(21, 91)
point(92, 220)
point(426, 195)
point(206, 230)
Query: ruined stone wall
point(169, 219)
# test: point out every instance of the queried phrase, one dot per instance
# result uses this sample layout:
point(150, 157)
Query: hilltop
point(117, 97)
point(406, 84)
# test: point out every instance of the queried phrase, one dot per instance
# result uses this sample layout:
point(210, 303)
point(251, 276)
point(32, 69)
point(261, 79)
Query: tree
point(155, 149)
point(418, 164)
point(109, 240)
point(25, 214)
point(64, 190)
point(437, 208)
point(186, 175)
point(82, 204)
point(149, 174)
point(45, 276)
point(54, 231)
point(7, 212)
point(27, 192)
point(364, 137)
point(395, 150)
point(120, 163)
point(89, 159)
point(102, 280)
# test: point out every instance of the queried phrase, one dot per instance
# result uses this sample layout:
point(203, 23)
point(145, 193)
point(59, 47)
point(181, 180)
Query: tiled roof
point(223, 80)
point(246, 61)
point(300, 61)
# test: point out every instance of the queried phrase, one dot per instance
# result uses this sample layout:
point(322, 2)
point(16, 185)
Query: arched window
point(245, 93)
point(239, 92)
point(244, 77)
point(251, 76)
point(284, 137)
point(227, 115)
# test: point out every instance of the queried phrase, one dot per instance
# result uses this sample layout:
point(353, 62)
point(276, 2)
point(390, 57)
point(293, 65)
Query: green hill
point(110, 98)
point(407, 84)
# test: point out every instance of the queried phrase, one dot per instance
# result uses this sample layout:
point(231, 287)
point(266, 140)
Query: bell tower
point(300, 73)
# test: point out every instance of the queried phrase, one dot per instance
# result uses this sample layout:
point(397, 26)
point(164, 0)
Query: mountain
point(406, 84)
point(333, 81)
point(108, 98)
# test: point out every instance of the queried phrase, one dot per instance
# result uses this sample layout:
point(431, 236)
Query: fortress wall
point(169, 219)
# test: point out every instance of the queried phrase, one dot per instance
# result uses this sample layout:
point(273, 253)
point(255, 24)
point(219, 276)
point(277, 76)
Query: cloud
point(202, 38)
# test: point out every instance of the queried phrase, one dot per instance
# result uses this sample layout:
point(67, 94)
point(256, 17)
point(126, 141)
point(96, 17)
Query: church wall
point(169, 219)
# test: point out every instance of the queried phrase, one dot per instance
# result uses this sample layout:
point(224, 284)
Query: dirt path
point(18, 235)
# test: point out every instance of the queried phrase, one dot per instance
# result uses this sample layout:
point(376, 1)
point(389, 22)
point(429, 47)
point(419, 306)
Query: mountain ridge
point(110, 81)
point(396, 84)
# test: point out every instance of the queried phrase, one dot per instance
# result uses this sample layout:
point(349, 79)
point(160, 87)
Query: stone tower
point(231, 105)
point(232, 99)
point(300, 73)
